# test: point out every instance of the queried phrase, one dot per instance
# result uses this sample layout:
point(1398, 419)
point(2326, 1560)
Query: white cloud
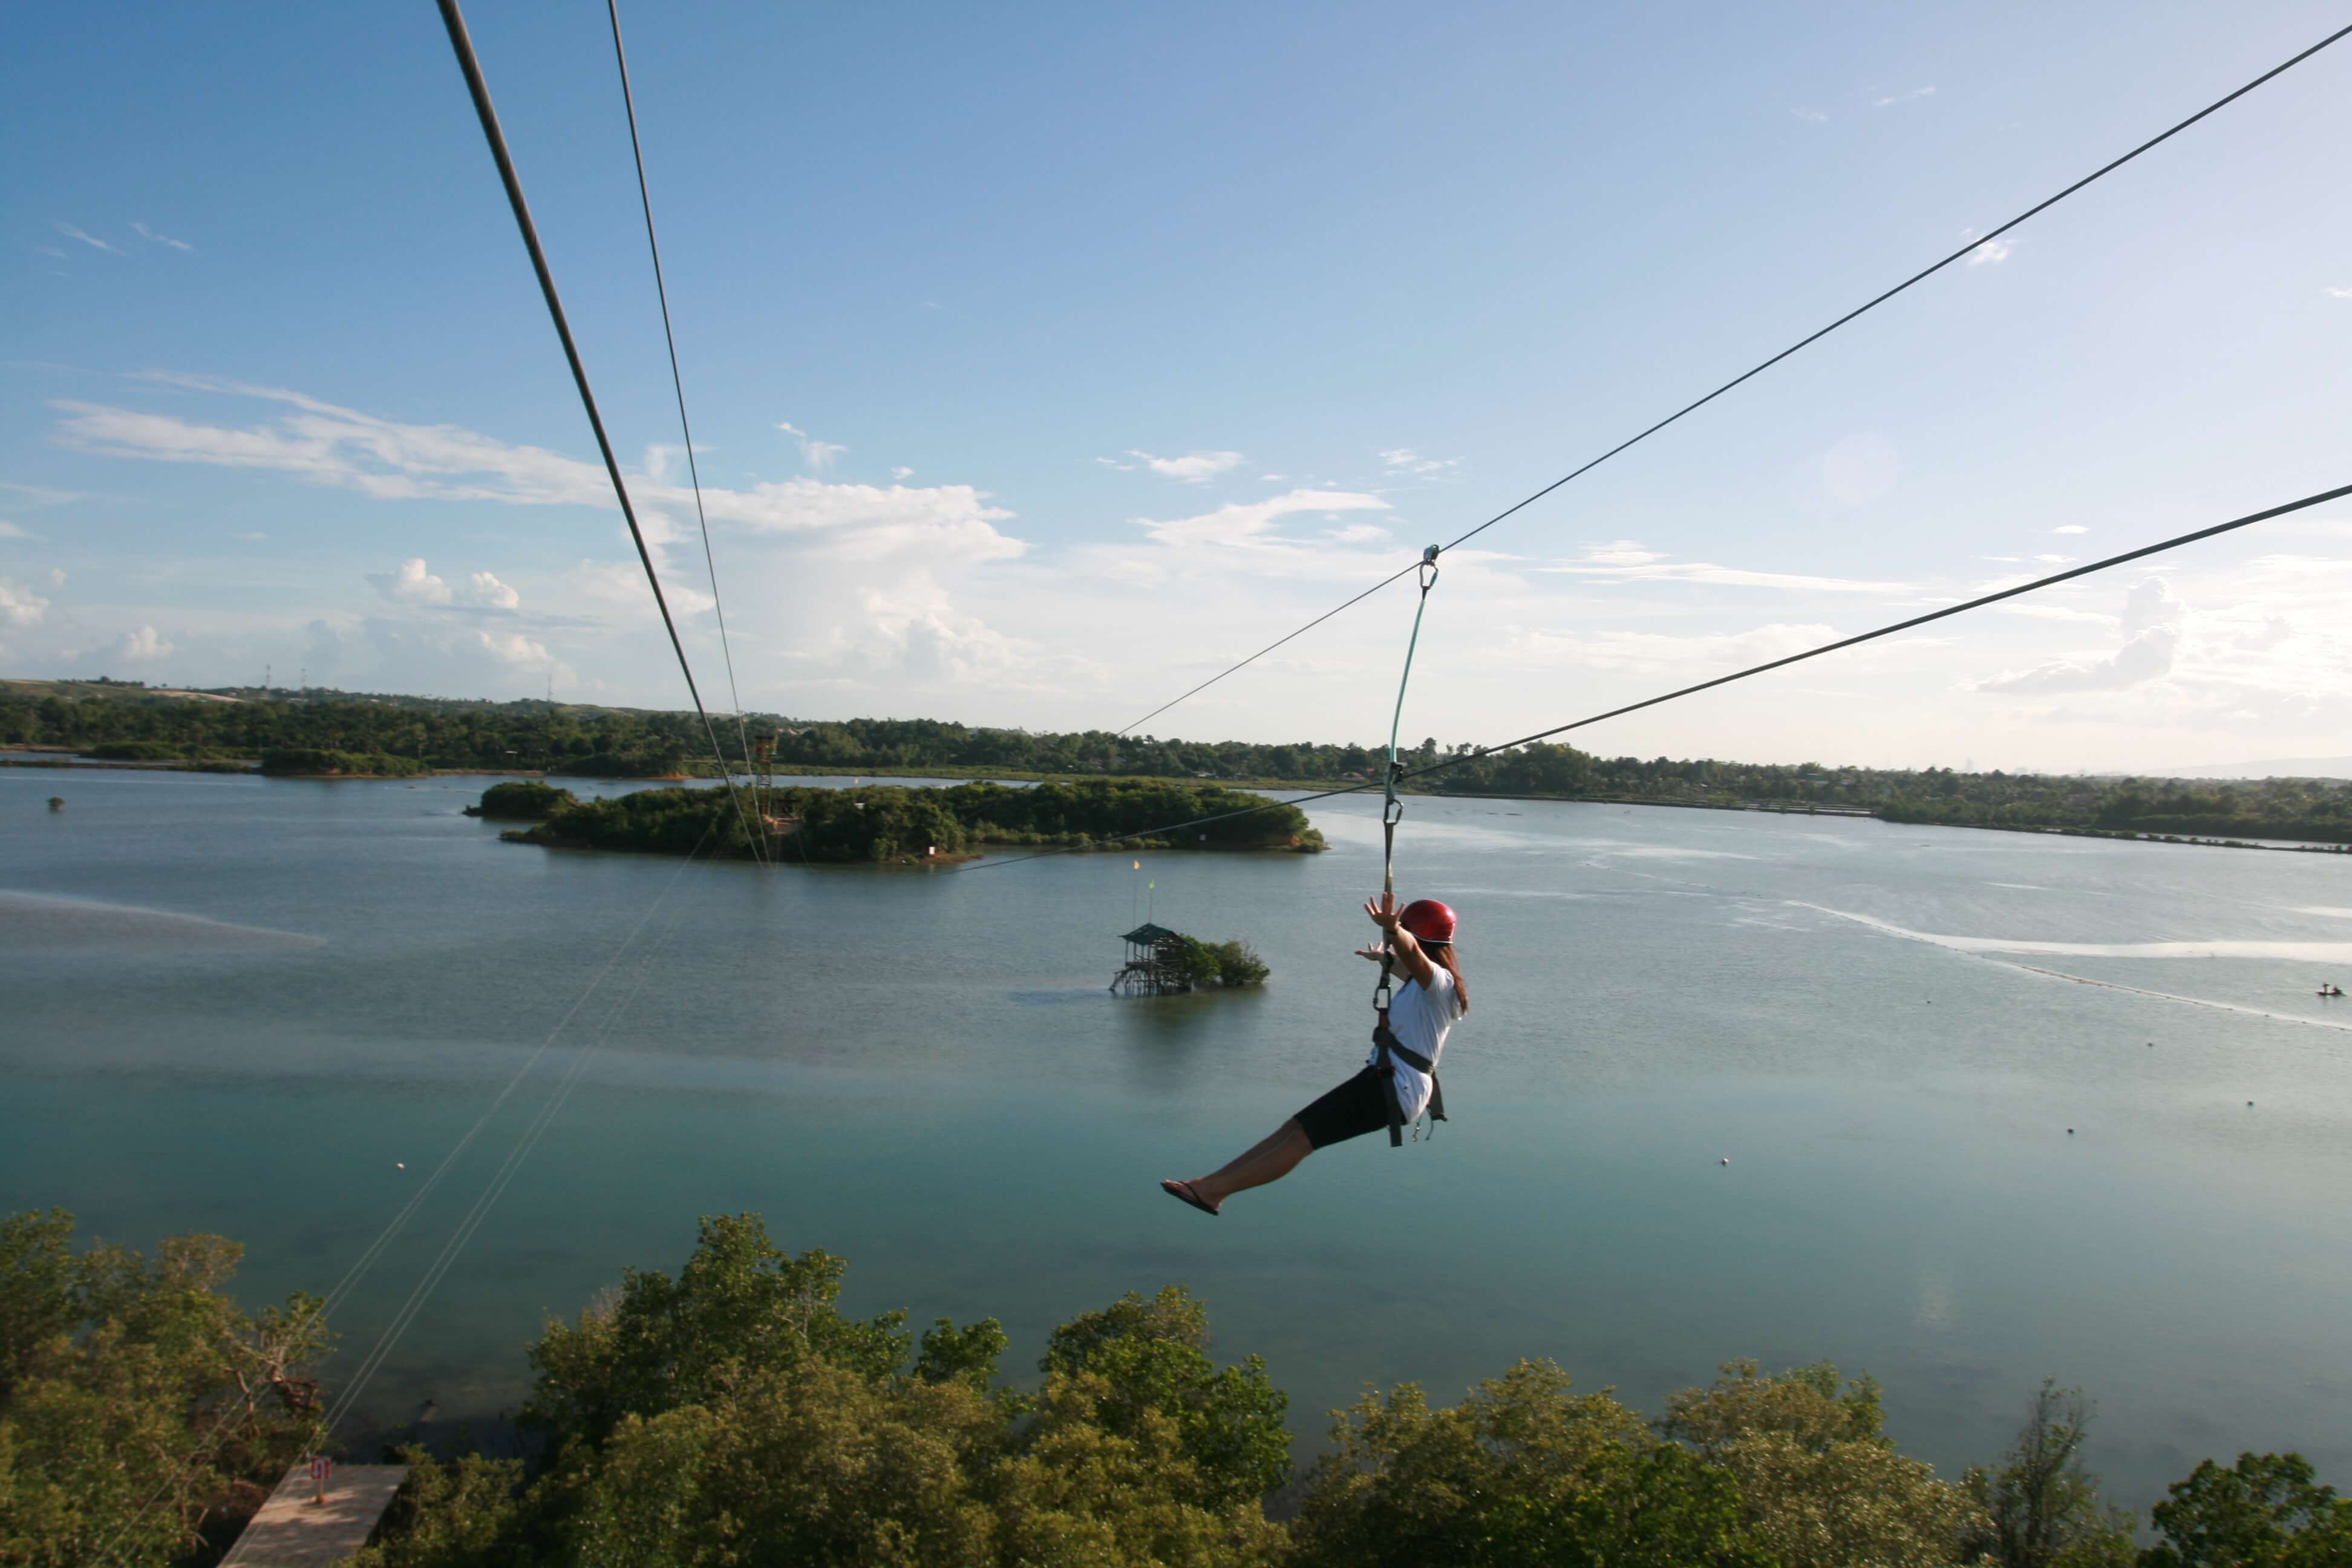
point(1814, 115)
point(249, 538)
point(1892, 99)
point(2070, 527)
point(323, 444)
point(815, 456)
point(2334, 293)
point(1620, 553)
point(411, 584)
point(1115, 463)
point(10, 530)
point(1274, 478)
point(70, 232)
point(2151, 627)
point(1192, 467)
point(1659, 653)
point(1626, 561)
point(2057, 559)
point(1405, 461)
point(143, 232)
point(2043, 612)
point(1991, 252)
point(56, 578)
point(902, 474)
point(41, 495)
point(20, 607)
point(140, 646)
point(484, 591)
point(1252, 523)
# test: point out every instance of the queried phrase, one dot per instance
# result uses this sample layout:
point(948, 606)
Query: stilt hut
point(1154, 966)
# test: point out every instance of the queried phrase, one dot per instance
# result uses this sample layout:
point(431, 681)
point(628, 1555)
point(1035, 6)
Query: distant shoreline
point(26, 757)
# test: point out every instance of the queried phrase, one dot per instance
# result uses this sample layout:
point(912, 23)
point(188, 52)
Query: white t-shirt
point(1419, 1020)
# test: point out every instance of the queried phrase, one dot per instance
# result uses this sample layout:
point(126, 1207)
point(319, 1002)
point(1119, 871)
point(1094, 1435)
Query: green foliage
point(526, 800)
point(734, 1415)
point(314, 762)
point(662, 764)
point(661, 821)
point(139, 1405)
point(1521, 1474)
point(739, 1305)
point(1239, 964)
point(1820, 1485)
point(470, 1513)
point(2267, 1511)
point(882, 822)
point(148, 751)
point(1146, 1363)
point(628, 744)
point(2040, 1508)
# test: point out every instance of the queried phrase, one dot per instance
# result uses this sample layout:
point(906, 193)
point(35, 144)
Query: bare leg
point(1272, 1158)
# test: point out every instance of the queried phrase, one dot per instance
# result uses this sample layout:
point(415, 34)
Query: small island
point(891, 825)
point(1162, 962)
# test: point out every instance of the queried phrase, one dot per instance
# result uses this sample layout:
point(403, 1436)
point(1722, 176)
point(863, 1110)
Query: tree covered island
point(883, 824)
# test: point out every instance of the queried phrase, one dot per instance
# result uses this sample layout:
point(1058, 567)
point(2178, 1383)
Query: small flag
point(1139, 865)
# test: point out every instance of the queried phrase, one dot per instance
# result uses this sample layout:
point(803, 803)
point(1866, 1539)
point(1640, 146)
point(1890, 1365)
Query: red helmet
point(1428, 919)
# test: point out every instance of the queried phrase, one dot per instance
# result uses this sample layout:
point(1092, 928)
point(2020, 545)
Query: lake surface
point(234, 1004)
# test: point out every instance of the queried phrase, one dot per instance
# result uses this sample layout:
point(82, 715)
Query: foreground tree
point(2040, 1508)
point(141, 1410)
point(1821, 1484)
point(2267, 1511)
point(1520, 1474)
point(734, 1415)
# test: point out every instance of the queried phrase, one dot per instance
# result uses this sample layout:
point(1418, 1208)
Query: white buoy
point(398, 1166)
point(1727, 1159)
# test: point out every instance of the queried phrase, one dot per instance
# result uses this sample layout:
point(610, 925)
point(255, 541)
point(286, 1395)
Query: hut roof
point(1148, 935)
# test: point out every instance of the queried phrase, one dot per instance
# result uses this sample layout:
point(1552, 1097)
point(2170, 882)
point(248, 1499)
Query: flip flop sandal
point(1185, 1190)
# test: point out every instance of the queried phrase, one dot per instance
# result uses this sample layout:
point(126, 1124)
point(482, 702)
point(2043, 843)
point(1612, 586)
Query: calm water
point(233, 1004)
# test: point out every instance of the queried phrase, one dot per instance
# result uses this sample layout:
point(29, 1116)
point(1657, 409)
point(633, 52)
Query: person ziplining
point(1397, 1083)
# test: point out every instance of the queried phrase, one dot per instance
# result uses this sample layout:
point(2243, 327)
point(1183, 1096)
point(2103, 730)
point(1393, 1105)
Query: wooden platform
point(293, 1531)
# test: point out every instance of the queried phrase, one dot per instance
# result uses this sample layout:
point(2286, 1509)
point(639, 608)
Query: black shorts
point(1357, 1107)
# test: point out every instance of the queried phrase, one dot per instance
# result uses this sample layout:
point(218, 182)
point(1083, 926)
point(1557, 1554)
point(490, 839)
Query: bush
point(1239, 964)
point(523, 800)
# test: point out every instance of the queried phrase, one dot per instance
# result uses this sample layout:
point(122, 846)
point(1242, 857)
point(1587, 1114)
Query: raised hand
point(1383, 911)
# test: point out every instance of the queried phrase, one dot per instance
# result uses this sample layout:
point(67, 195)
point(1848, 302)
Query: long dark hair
point(1442, 952)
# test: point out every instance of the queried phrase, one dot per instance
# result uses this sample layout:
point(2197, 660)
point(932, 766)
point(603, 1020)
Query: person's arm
point(1410, 958)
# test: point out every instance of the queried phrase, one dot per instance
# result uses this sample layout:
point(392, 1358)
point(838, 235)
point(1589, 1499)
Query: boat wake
point(50, 921)
point(1985, 947)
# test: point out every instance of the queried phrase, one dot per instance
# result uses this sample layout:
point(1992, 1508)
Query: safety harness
point(1388, 1050)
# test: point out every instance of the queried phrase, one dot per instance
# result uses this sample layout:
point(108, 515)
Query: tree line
point(733, 1414)
point(626, 743)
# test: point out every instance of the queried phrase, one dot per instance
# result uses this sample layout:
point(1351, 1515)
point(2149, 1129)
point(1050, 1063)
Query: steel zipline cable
point(454, 21)
point(1806, 342)
point(374, 1250)
point(676, 381)
point(2105, 563)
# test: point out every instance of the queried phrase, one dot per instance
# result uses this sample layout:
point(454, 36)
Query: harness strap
point(1392, 1050)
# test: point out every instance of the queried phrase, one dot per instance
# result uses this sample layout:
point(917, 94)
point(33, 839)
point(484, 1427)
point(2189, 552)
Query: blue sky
point(1043, 359)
